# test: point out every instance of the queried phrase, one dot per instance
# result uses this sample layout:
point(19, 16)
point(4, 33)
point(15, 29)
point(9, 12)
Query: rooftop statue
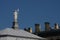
point(16, 14)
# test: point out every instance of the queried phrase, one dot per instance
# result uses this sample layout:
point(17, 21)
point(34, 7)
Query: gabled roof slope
point(10, 31)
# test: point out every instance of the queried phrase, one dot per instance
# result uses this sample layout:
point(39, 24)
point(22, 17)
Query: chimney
point(37, 28)
point(25, 29)
point(56, 26)
point(15, 22)
point(47, 26)
point(30, 30)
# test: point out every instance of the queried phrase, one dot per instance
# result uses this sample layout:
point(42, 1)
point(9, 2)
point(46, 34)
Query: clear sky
point(31, 12)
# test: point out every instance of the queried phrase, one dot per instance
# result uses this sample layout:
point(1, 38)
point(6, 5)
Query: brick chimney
point(47, 26)
point(37, 28)
point(30, 29)
point(56, 26)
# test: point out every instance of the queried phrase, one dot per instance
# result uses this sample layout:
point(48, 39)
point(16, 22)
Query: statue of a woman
point(16, 14)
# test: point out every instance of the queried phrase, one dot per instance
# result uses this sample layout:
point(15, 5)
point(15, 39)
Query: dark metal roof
point(49, 33)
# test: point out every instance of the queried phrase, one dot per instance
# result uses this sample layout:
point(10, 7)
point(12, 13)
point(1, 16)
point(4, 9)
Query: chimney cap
point(47, 23)
point(37, 24)
point(29, 28)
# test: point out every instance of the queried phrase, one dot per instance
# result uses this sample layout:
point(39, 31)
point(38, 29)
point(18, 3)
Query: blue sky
point(31, 12)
